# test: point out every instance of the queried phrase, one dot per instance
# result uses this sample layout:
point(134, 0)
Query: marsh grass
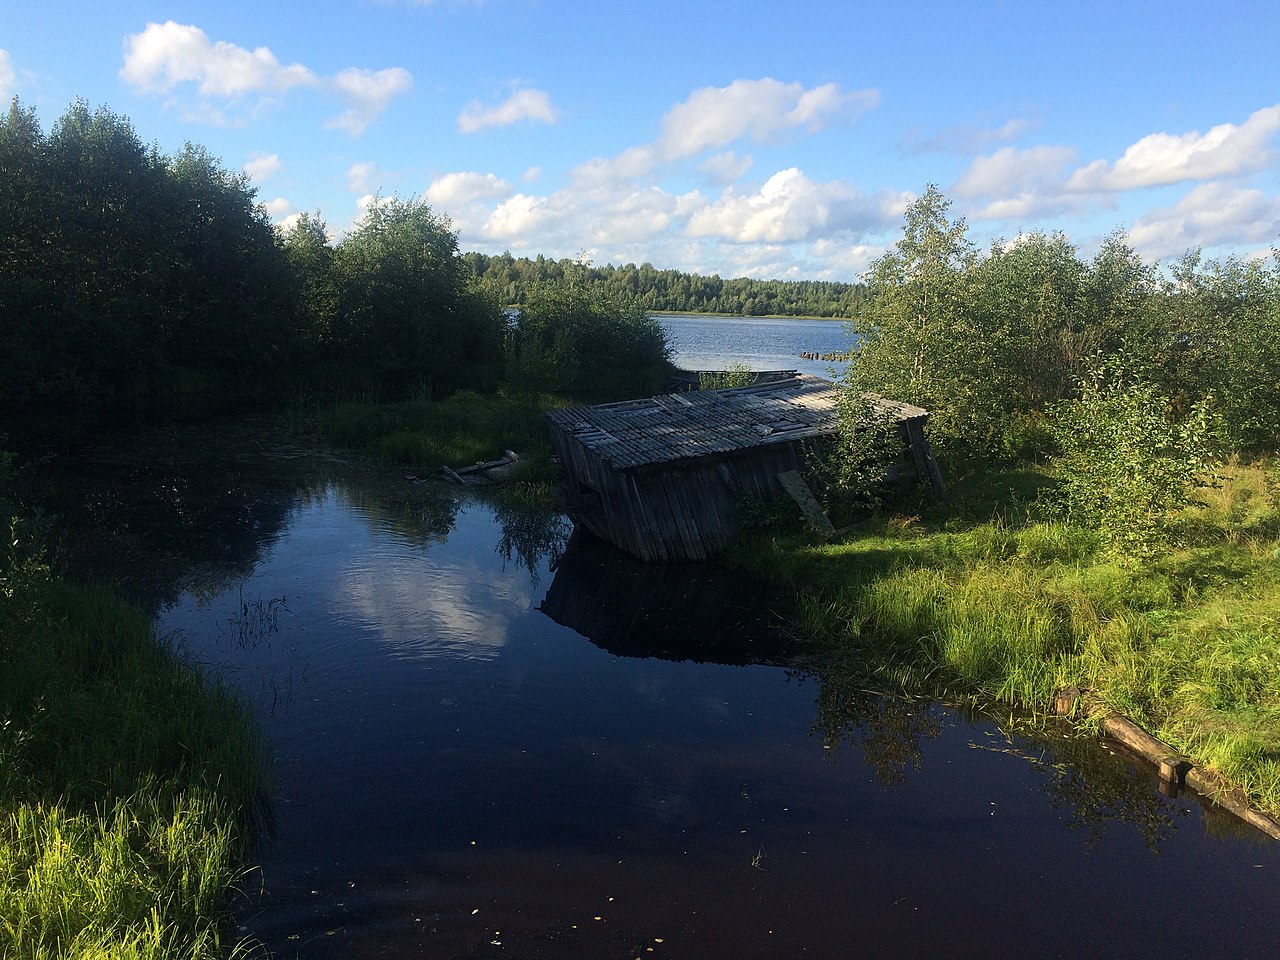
point(128, 784)
point(466, 428)
point(984, 601)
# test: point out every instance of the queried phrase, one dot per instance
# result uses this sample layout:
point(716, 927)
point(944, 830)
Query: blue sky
point(751, 138)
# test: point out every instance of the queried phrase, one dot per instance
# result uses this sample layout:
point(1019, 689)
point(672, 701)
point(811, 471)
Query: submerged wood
point(483, 473)
point(662, 477)
point(1173, 769)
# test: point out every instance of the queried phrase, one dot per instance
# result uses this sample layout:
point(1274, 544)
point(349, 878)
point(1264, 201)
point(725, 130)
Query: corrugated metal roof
point(676, 426)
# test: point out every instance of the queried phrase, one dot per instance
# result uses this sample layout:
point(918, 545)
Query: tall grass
point(982, 601)
point(128, 783)
point(466, 428)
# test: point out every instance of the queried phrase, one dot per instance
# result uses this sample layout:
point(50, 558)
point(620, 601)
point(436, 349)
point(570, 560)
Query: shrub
point(1126, 465)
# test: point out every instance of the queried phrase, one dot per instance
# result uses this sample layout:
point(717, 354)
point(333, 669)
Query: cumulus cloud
point(167, 55)
point(1010, 170)
point(262, 166)
point(169, 58)
point(367, 93)
point(467, 198)
point(788, 208)
point(1162, 158)
point(1209, 215)
point(618, 208)
point(8, 76)
point(280, 209)
point(725, 168)
point(763, 110)
point(521, 105)
point(361, 177)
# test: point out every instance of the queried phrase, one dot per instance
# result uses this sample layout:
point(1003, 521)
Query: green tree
point(572, 339)
point(408, 317)
point(918, 338)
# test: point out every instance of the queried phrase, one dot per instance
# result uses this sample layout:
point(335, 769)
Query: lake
point(492, 738)
point(712, 343)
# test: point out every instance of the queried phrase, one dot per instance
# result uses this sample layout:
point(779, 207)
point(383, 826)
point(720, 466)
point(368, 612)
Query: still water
point(712, 343)
point(494, 739)
point(477, 755)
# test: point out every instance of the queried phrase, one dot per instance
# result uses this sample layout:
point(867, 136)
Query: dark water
point(480, 755)
point(712, 343)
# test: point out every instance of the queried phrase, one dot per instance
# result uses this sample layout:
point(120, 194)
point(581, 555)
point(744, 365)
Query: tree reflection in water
point(1093, 789)
point(531, 536)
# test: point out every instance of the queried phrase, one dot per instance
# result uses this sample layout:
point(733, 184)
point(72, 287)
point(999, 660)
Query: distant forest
point(671, 290)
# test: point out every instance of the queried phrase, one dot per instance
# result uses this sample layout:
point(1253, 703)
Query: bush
point(569, 340)
point(1126, 465)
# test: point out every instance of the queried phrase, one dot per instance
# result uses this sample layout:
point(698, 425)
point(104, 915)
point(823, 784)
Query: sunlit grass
point(128, 783)
point(981, 600)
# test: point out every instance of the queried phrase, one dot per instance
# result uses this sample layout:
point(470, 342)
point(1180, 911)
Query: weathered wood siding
point(662, 478)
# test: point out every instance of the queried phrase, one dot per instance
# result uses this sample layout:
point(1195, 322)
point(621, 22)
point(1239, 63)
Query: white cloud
point(631, 163)
point(280, 209)
point(1211, 214)
point(466, 198)
point(360, 177)
point(521, 105)
point(617, 208)
point(167, 55)
point(714, 117)
point(967, 140)
point(8, 77)
point(532, 175)
point(1010, 170)
point(169, 58)
point(262, 166)
point(521, 216)
point(725, 168)
point(788, 208)
point(1162, 158)
point(457, 188)
point(367, 93)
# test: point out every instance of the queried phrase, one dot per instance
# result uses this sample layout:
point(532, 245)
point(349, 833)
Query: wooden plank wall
point(682, 511)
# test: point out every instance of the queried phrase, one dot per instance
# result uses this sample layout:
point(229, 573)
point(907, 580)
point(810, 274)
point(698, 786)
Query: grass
point(981, 600)
point(128, 783)
point(466, 428)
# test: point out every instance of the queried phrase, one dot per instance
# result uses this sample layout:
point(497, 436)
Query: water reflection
point(700, 612)
point(533, 539)
point(1094, 790)
point(446, 742)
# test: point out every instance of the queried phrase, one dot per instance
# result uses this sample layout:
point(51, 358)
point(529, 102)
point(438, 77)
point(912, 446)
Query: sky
point(757, 138)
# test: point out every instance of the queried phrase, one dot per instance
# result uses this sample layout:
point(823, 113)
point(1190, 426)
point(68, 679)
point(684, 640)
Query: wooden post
point(926, 466)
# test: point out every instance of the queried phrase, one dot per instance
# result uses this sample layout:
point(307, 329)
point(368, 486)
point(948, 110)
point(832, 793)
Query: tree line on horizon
point(672, 291)
point(135, 283)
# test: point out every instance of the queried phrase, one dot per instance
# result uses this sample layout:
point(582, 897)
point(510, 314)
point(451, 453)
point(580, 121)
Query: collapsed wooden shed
point(662, 477)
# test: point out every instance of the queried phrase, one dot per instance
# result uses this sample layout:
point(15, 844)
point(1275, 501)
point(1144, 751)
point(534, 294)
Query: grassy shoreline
point(129, 783)
point(980, 600)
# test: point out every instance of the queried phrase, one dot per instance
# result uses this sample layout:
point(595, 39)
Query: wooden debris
point(484, 472)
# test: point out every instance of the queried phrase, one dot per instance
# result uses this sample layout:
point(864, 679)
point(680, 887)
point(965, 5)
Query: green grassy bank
point(128, 783)
point(979, 600)
point(466, 428)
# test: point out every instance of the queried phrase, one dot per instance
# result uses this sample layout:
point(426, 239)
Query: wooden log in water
point(1173, 768)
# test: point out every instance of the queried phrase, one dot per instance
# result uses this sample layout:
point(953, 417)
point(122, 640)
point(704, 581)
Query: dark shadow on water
point(702, 612)
point(177, 509)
